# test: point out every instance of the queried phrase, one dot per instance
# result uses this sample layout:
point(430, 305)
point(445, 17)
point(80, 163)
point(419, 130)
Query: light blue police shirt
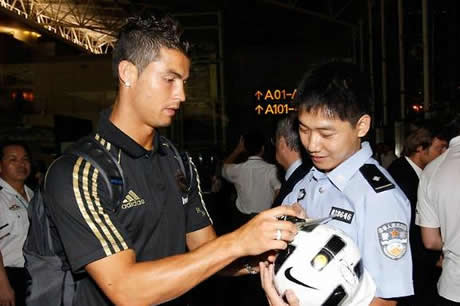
point(376, 218)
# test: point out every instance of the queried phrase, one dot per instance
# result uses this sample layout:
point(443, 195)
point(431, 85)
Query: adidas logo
point(132, 200)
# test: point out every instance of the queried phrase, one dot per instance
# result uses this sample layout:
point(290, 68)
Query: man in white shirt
point(255, 180)
point(14, 222)
point(421, 146)
point(256, 185)
point(438, 214)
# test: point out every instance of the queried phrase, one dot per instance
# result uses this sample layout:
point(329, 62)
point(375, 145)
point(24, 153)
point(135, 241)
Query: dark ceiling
point(270, 43)
point(244, 22)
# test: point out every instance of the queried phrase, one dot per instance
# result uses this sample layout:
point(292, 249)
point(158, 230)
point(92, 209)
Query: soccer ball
point(322, 266)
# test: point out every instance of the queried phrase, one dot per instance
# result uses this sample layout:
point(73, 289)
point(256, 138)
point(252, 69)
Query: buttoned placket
point(21, 203)
point(317, 195)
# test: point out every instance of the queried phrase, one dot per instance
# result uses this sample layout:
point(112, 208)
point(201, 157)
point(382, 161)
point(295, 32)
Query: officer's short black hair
point(142, 37)
point(6, 143)
point(336, 89)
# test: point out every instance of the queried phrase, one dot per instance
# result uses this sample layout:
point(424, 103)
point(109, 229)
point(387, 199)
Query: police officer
point(14, 223)
point(347, 183)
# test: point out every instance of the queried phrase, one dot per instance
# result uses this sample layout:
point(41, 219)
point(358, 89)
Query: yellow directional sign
point(258, 94)
point(275, 95)
point(274, 109)
point(281, 97)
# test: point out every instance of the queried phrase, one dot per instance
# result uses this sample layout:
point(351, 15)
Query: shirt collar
point(114, 135)
point(343, 172)
point(292, 168)
point(255, 157)
point(7, 187)
point(454, 141)
point(414, 166)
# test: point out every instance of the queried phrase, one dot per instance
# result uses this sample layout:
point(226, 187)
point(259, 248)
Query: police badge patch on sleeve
point(393, 239)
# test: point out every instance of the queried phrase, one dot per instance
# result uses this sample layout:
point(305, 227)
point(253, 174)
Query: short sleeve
point(425, 214)
point(196, 211)
point(4, 225)
point(87, 224)
point(274, 181)
point(384, 243)
point(229, 172)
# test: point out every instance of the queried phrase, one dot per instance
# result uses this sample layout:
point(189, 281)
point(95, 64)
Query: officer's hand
point(274, 299)
point(265, 232)
point(7, 297)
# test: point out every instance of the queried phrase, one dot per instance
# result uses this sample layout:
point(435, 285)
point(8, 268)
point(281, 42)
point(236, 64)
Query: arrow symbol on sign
point(258, 94)
point(259, 109)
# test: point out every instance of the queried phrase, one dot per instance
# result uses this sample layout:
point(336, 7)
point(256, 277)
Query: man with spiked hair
point(158, 246)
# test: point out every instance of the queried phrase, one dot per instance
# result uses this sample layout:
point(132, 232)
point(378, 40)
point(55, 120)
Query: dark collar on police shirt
point(114, 135)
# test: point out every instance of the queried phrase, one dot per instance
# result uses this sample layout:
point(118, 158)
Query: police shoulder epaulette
point(376, 178)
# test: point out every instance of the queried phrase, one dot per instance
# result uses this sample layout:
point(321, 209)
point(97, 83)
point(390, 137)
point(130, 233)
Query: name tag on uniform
point(341, 214)
point(14, 207)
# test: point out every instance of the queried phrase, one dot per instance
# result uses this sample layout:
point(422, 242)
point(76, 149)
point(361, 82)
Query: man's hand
point(7, 297)
point(439, 261)
point(240, 147)
point(265, 232)
point(274, 299)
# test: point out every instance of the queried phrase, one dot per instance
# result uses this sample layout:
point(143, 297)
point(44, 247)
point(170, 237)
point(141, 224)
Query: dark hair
point(287, 128)
point(419, 137)
point(7, 143)
point(142, 37)
point(337, 89)
point(254, 142)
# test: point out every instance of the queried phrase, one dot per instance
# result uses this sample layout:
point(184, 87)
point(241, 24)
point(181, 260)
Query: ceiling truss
point(89, 24)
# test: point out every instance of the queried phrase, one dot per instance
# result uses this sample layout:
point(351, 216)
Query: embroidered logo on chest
point(341, 214)
point(132, 200)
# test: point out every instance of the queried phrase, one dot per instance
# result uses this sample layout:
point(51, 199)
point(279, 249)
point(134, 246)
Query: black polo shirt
point(152, 220)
